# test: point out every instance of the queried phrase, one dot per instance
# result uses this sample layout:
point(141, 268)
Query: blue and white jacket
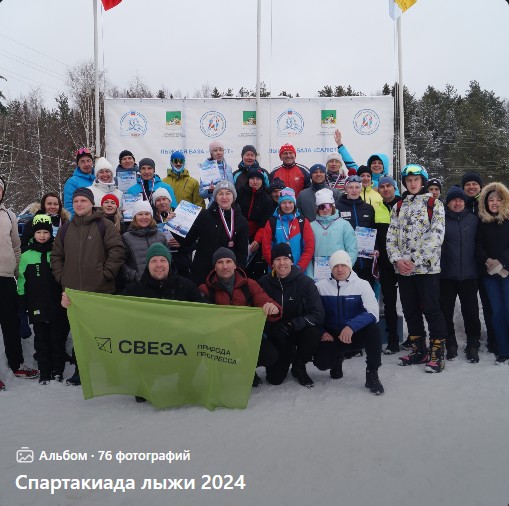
point(351, 302)
point(225, 172)
point(77, 180)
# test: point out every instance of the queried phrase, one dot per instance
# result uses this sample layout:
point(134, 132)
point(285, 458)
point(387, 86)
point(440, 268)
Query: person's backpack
point(430, 205)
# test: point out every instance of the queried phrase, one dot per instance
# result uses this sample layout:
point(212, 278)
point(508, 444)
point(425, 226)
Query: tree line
point(447, 132)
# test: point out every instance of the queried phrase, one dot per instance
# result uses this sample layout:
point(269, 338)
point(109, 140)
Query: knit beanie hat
point(471, 176)
point(102, 164)
point(433, 182)
point(42, 222)
point(81, 153)
point(455, 192)
point(147, 161)
point(277, 184)
point(352, 172)
point(340, 257)
point(281, 250)
point(363, 169)
point(387, 180)
point(287, 194)
point(255, 172)
point(123, 153)
point(142, 206)
point(247, 148)
point(223, 253)
point(317, 166)
point(224, 185)
point(324, 196)
point(84, 192)
point(110, 196)
point(287, 147)
point(161, 192)
point(158, 249)
point(334, 156)
point(215, 144)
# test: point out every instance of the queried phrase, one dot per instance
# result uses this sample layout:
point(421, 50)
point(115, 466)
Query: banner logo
point(213, 124)
point(104, 344)
point(249, 118)
point(173, 118)
point(366, 122)
point(133, 124)
point(290, 123)
point(328, 118)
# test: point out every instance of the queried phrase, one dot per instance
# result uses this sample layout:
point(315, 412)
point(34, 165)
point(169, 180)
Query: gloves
point(24, 328)
point(282, 331)
point(493, 266)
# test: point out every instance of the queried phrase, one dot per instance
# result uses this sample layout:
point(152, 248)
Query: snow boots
point(436, 356)
point(299, 373)
point(472, 350)
point(337, 371)
point(373, 382)
point(418, 352)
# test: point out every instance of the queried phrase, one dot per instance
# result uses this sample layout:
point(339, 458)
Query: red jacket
point(222, 297)
point(295, 177)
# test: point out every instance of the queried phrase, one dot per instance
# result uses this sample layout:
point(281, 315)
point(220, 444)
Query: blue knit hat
point(317, 166)
point(455, 192)
point(385, 180)
point(287, 194)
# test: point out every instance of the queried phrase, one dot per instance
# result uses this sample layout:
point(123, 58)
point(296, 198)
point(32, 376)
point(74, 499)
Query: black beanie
point(126, 152)
point(277, 184)
point(364, 169)
point(84, 192)
point(455, 192)
point(435, 182)
point(247, 148)
point(281, 250)
point(471, 176)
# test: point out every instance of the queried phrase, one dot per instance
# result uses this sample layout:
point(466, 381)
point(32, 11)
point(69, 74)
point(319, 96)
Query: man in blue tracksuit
point(351, 314)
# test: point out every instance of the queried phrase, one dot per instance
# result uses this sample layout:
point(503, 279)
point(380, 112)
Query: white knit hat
point(102, 163)
point(161, 192)
point(142, 206)
point(334, 156)
point(324, 196)
point(340, 257)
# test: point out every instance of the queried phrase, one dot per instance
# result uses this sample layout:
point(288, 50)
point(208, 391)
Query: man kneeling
point(351, 313)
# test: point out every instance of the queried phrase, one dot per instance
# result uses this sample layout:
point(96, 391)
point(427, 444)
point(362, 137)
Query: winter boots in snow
point(436, 356)
point(472, 350)
point(418, 352)
point(451, 349)
point(373, 382)
point(337, 371)
point(299, 373)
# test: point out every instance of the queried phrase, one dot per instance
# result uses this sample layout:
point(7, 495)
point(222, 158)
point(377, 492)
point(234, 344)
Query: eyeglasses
point(324, 207)
point(178, 161)
point(83, 151)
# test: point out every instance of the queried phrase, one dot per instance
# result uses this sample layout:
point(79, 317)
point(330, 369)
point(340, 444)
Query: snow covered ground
point(438, 439)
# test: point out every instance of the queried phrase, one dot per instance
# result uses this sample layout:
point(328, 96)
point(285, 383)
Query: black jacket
point(458, 260)
point(256, 207)
point(175, 287)
point(209, 229)
point(298, 296)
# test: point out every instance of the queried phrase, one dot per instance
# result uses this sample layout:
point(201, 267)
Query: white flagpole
point(402, 148)
point(258, 44)
point(96, 67)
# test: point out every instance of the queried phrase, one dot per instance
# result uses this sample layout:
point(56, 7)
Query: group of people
point(286, 241)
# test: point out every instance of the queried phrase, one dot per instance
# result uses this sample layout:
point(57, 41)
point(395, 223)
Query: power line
point(32, 65)
point(35, 50)
point(6, 147)
point(30, 79)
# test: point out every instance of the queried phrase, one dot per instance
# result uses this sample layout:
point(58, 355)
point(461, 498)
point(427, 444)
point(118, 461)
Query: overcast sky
point(305, 45)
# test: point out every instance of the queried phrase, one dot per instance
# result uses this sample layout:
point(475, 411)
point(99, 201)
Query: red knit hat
point(287, 147)
point(110, 196)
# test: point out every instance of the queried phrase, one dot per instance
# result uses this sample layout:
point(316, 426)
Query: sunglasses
point(83, 151)
point(179, 161)
point(324, 207)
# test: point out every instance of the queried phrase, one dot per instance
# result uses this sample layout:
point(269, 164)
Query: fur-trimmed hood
point(484, 215)
point(36, 206)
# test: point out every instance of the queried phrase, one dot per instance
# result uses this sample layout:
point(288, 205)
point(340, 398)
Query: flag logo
point(104, 344)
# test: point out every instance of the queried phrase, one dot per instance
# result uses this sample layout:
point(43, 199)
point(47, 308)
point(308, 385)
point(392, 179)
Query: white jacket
point(10, 243)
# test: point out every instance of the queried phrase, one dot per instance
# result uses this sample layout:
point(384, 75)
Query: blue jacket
point(332, 233)
point(137, 188)
point(349, 303)
point(77, 180)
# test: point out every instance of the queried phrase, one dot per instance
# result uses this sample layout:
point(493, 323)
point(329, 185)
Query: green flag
point(171, 353)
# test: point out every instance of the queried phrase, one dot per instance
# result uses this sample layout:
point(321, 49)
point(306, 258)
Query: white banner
point(156, 128)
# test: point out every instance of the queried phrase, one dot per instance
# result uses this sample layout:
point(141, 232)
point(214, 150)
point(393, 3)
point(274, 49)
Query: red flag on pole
point(109, 4)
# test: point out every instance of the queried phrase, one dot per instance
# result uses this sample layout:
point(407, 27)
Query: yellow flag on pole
point(398, 7)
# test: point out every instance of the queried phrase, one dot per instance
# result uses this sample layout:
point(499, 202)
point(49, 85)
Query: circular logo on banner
point(133, 124)
point(290, 123)
point(366, 122)
point(213, 124)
